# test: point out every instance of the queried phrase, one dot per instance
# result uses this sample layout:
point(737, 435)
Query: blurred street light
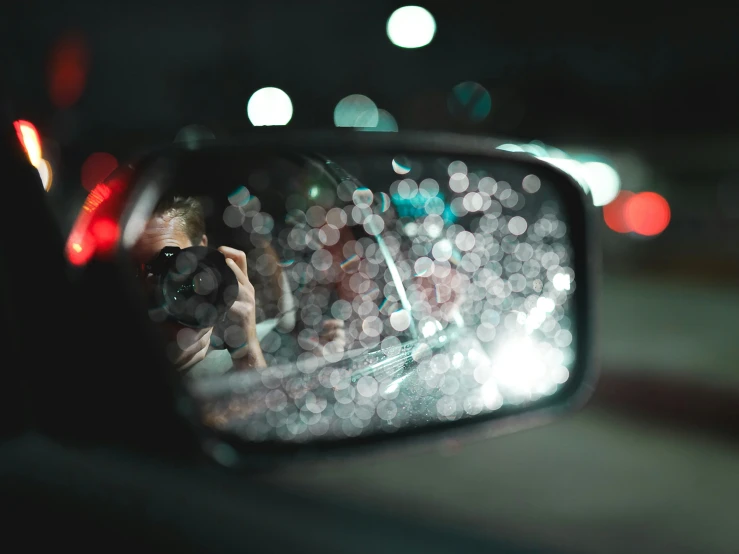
point(411, 27)
point(356, 110)
point(269, 106)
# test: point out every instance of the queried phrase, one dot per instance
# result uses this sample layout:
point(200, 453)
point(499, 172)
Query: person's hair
point(186, 209)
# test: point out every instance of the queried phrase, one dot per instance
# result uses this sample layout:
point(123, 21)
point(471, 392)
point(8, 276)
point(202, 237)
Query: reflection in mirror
point(306, 299)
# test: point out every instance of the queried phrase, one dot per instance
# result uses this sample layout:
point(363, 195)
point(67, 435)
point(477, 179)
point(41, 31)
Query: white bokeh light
point(411, 27)
point(399, 167)
point(269, 106)
point(572, 167)
point(561, 281)
point(44, 171)
point(519, 366)
point(603, 181)
point(356, 110)
point(599, 179)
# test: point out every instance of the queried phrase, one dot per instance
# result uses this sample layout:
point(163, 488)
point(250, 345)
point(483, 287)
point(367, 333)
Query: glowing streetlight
point(411, 27)
point(269, 106)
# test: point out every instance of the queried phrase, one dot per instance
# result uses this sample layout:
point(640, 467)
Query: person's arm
point(189, 347)
point(241, 336)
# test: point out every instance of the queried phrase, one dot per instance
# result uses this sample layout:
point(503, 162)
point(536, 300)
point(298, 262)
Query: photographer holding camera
point(205, 300)
point(178, 223)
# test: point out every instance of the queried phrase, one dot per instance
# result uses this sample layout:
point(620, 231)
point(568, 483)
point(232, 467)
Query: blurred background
point(640, 108)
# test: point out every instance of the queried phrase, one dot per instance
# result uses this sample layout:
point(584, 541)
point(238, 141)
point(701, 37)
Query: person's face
point(160, 232)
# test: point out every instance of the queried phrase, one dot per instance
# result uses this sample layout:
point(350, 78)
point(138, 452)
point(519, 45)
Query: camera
point(192, 286)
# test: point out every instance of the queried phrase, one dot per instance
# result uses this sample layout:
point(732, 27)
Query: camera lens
point(195, 287)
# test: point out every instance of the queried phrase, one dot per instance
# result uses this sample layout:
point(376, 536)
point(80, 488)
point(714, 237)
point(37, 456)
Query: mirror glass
point(307, 298)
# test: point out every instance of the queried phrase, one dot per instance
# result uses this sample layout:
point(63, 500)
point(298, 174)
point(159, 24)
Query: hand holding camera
point(241, 335)
point(209, 293)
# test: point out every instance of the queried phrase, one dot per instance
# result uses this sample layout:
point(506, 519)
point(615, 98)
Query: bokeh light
point(106, 233)
point(96, 168)
point(67, 70)
point(411, 27)
point(401, 165)
point(356, 110)
point(603, 181)
point(269, 106)
point(470, 100)
point(572, 167)
point(647, 213)
point(450, 282)
point(46, 174)
point(31, 141)
point(597, 178)
point(82, 239)
point(614, 213)
point(531, 184)
point(191, 135)
point(29, 138)
point(385, 123)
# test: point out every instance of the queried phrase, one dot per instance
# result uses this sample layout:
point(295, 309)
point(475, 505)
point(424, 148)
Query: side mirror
point(404, 285)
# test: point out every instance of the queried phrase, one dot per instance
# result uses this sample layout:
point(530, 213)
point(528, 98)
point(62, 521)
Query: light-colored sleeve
point(216, 362)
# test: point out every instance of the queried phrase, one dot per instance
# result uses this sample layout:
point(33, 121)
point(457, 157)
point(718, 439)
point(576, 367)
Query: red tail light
point(96, 230)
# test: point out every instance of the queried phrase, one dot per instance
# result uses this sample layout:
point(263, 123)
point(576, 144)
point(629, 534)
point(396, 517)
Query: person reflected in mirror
point(179, 221)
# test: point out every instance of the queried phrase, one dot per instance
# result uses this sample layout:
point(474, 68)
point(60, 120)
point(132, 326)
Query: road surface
point(601, 480)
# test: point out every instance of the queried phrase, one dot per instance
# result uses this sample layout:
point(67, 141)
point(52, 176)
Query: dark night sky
point(554, 73)
point(619, 76)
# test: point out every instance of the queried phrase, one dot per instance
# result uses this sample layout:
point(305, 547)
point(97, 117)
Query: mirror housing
point(142, 184)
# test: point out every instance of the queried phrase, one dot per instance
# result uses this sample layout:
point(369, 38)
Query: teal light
point(471, 100)
point(416, 207)
point(385, 123)
point(356, 110)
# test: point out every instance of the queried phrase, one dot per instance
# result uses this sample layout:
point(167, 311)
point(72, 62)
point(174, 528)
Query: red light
point(96, 168)
point(96, 197)
point(29, 137)
point(80, 251)
point(19, 131)
point(106, 233)
point(615, 211)
point(67, 73)
point(94, 232)
point(647, 213)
